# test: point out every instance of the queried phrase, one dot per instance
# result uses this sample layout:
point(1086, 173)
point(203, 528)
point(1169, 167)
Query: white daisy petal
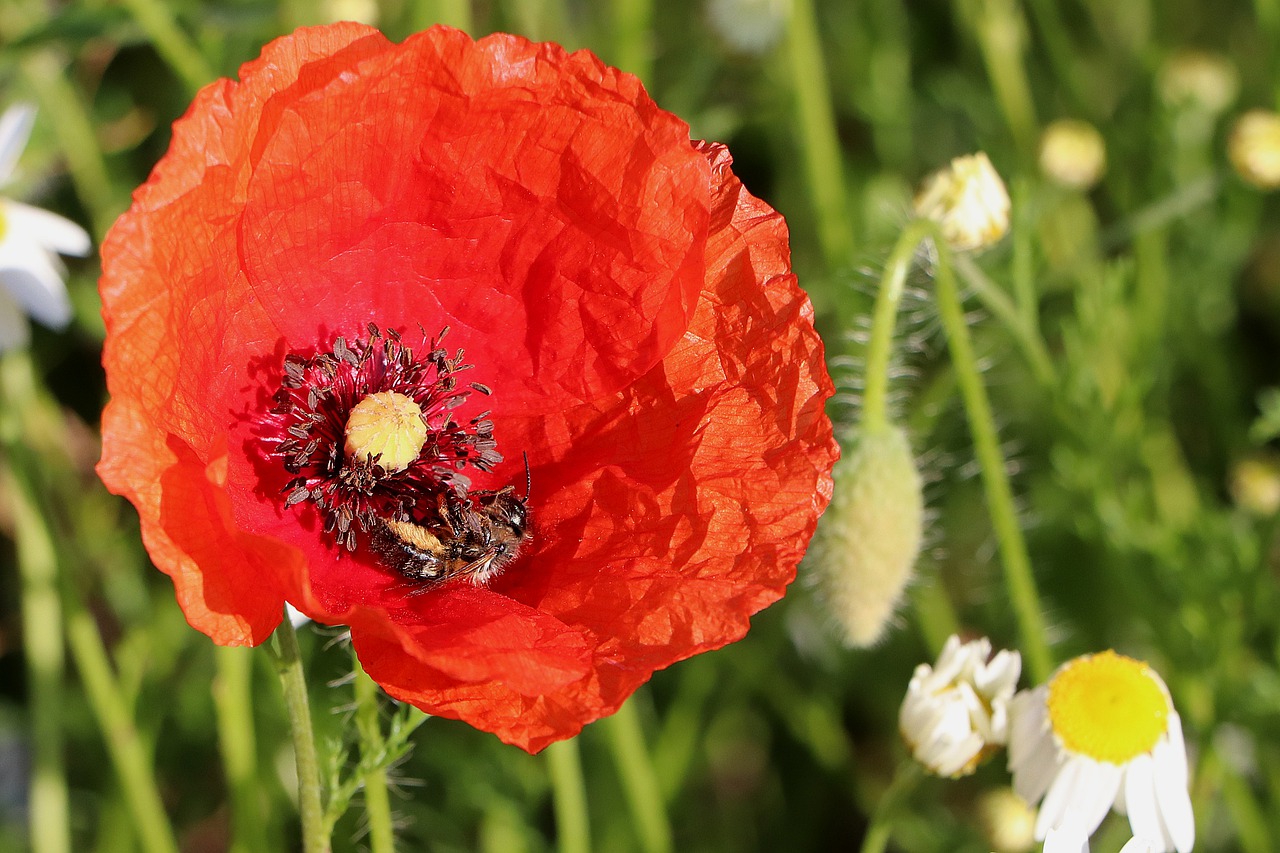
point(15, 130)
point(1140, 800)
point(1067, 839)
point(14, 331)
point(48, 229)
point(1099, 782)
point(29, 273)
point(1066, 789)
point(1172, 797)
point(1140, 845)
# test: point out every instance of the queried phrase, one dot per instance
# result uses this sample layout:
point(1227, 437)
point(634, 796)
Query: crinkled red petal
point(631, 305)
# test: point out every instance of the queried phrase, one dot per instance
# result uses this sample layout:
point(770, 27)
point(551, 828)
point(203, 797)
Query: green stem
point(455, 13)
point(904, 781)
point(132, 764)
point(639, 779)
point(573, 829)
point(293, 681)
point(45, 74)
point(233, 704)
point(935, 616)
point(377, 800)
point(633, 39)
point(1000, 38)
point(875, 414)
point(157, 21)
point(817, 134)
point(1018, 323)
point(41, 629)
point(1019, 579)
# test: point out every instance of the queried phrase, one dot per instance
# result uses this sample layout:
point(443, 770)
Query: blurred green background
point(1141, 455)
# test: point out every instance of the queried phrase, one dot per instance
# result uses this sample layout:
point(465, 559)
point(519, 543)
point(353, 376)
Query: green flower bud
point(870, 536)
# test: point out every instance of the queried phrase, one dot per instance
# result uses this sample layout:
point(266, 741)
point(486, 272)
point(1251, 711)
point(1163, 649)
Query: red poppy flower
point(629, 305)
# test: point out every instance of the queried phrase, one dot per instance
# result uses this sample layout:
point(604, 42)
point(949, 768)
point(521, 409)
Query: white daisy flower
point(30, 241)
point(956, 713)
point(969, 201)
point(1073, 839)
point(1103, 732)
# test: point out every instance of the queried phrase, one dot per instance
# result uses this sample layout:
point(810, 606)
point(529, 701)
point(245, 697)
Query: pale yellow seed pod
point(870, 535)
point(1072, 154)
point(1254, 148)
point(969, 202)
point(388, 427)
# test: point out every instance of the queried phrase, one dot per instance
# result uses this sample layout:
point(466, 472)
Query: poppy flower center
point(386, 428)
point(1108, 707)
point(368, 431)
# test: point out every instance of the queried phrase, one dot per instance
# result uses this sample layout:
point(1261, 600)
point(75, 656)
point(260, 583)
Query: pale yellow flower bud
point(969, 201)
point(1254, 148)
point(1072, 154)
point(1194, 78)
point(1255, 485)
point(1008, 823)
point(870, 535)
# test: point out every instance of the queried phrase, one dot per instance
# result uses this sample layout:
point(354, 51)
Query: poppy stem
point(569, 795)
point(373, 746)
point(233, 705)
point(875, 415)
point(1019, 579)
point(639, 780)
point(817, 134)
point(293, 681)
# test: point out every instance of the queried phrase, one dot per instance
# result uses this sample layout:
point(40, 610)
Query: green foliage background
point(1156, 297)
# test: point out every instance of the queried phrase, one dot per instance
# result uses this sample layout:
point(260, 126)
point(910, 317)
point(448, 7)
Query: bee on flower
point(30, 241)
point(956, 713)
point(1103, 732)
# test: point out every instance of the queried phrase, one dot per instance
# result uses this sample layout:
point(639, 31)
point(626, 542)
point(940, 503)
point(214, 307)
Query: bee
point(473, 537)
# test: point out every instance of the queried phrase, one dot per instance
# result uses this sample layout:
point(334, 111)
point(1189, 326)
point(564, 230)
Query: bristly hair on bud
point(870, 536)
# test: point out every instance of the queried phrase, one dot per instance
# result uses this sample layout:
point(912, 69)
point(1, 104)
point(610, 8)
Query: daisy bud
point(1255, 486)
point(969, 200)
point(956, 713)
point(1254, 148)
point(871, 533)
point(1008, 823)
point(1197, 79)
point(1103, 732)
point(749, 26)
point(1072, 154)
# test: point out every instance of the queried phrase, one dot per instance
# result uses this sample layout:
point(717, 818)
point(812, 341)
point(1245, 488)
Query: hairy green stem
point(639, 779)
point(377, 800)
point(817, 135)
point(573, 829)
point(293, 681)
point(1016, 562)
point(233, 705)
point(875, 414)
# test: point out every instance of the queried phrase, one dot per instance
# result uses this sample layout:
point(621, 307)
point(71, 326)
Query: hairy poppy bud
point(870, 536)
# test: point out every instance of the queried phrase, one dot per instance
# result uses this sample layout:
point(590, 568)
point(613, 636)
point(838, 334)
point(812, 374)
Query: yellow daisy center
point(1108, 707)
point(389, 426)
